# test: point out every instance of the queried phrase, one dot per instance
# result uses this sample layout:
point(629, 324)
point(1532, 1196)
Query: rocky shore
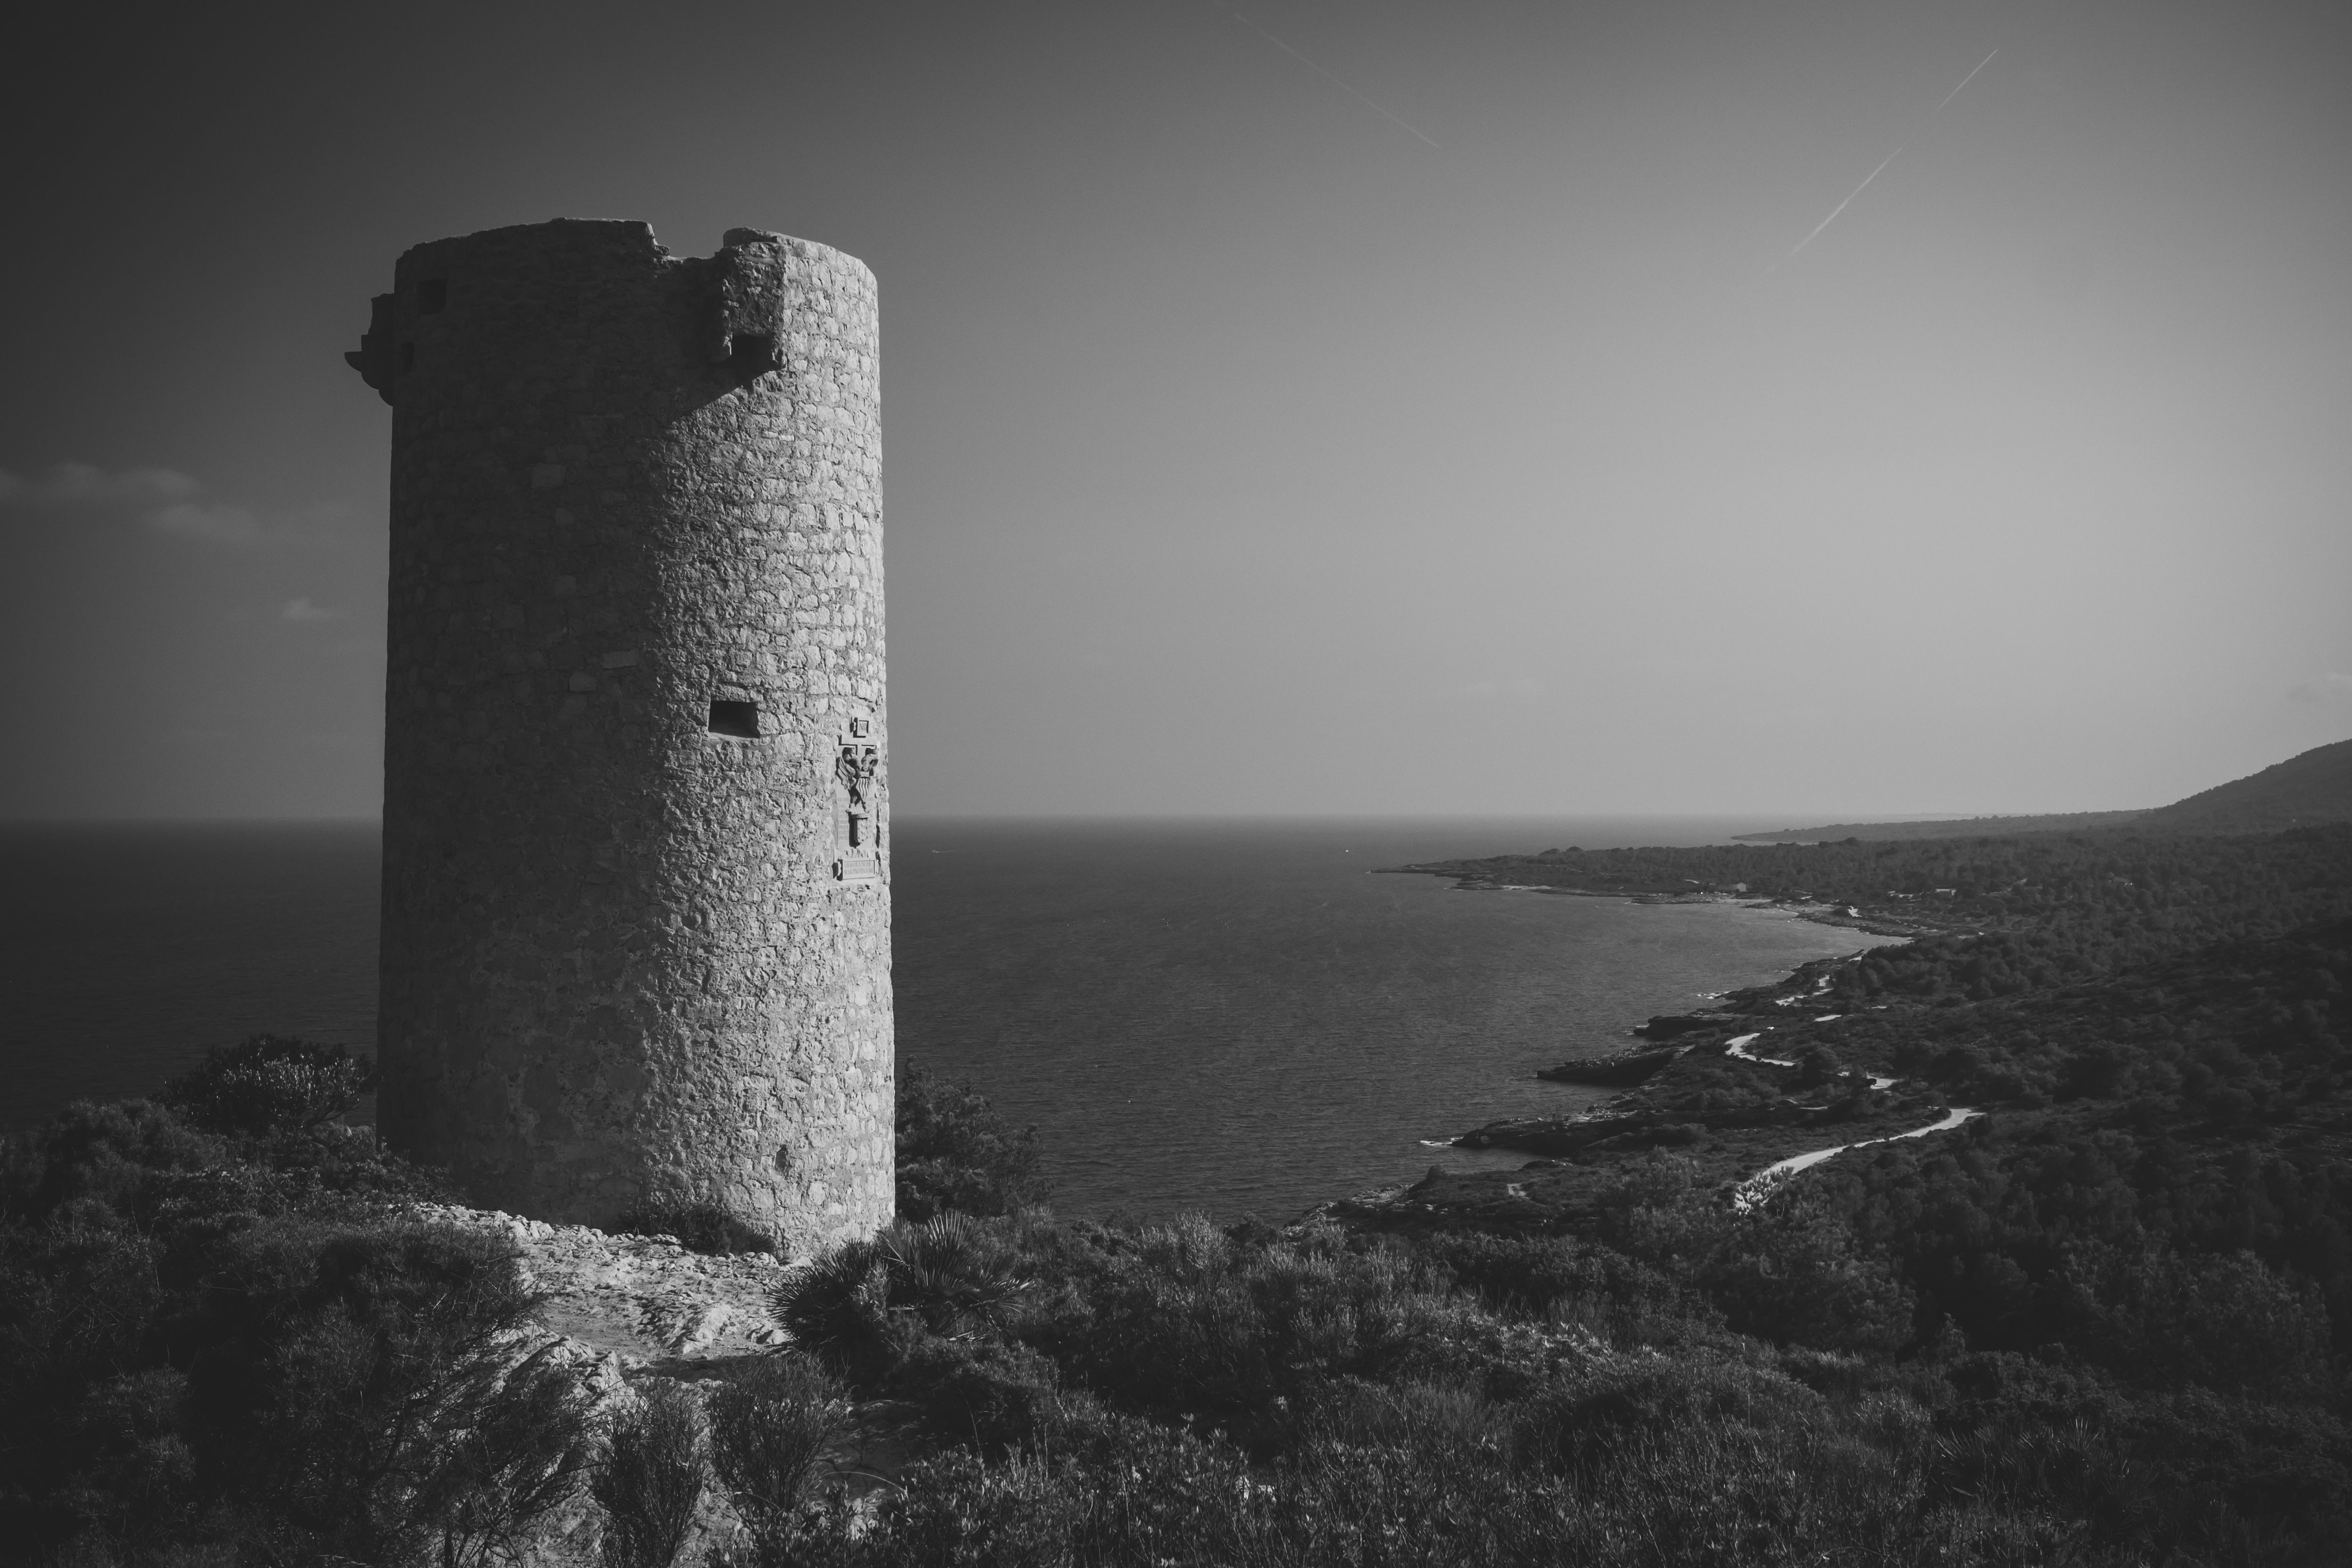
point(1696, 1089)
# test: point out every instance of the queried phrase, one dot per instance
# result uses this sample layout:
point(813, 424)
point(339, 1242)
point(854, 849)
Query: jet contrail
point(1964, 81)
point(1845, 204)
point(1326, 75)
point(1882, 168)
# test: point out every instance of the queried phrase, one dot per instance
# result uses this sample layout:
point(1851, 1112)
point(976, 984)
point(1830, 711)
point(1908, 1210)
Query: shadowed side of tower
point(636, 892)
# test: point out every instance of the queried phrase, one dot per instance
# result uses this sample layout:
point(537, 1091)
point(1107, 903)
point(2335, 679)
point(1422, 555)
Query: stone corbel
point(373, 359)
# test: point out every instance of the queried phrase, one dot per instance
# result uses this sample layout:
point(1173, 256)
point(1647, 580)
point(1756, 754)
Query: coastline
point(1847, 915)
point(1743, 1153)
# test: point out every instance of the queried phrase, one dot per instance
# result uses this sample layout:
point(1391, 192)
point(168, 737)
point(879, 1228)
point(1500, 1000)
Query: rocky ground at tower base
point(634, 1302)
point(620, 1310)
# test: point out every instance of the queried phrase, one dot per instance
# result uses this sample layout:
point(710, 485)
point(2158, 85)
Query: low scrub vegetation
point(221, 1343)
point(269, 1082)
point(2104, 1325)
point(955, 1154)
point(215, 1349)
point(1182, 1393)
point(651, 1478)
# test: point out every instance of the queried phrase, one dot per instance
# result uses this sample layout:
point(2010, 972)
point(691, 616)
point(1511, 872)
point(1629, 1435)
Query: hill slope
point(2314, 787)
point(1958, 827)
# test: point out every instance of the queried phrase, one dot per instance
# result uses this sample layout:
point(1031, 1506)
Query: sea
point(1236, 1016)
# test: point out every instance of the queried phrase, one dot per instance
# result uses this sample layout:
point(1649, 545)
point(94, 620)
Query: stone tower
point(637, 916)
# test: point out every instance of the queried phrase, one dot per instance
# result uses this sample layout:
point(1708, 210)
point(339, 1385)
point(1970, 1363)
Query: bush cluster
point(268, 1083)
point(204, 1346)
point(954, 1152)
point(1186, 1394)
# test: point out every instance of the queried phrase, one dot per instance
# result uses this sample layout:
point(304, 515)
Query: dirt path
point(1760, 1185)
point(641, 1299)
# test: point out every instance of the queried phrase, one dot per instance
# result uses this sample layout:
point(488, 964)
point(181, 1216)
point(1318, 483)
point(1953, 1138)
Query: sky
point(1308, 407)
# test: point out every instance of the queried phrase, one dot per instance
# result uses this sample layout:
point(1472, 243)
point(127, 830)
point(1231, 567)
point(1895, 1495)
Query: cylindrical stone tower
point(636, 938)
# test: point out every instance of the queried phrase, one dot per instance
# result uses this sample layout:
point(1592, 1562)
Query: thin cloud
point(213, 524)
point(84, 485)
point(1423, 693)
point(1521, 687)
point(165, 501)
point(304, 610)
point(1964, 81)
point(1399, 123)
point(2333, 687)
point(1882, 167)
point(1847, 203)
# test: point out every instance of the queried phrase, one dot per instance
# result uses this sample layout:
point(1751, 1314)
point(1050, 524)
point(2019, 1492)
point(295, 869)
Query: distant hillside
point(2314, 787)
point(1961, 827)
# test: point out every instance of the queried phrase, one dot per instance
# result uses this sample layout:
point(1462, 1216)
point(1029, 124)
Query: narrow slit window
point(432, 296)
point(407, 358)
point(732, 718)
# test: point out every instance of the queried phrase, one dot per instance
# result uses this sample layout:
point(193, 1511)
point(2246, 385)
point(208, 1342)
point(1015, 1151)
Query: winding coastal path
point(1738, 1047)
point(1759, 1186)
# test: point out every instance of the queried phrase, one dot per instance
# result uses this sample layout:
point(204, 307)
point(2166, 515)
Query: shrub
point(854, 1307)
point(1589, 1422)
point(653, 1471)
point(1180, 1321)
point(1794, 1276)
point(362, 1384)
point(993, 1394)
point(1521, 1274)
point(771, 1421)
point(2190, 1477)
point(955, 1152)
point(1126, 1491)
point(1617, 1299)
point(269, 1083)
point(503, 1447)
point(837, 1310)
point(332, 1168)
point(2229, 1322)
point(105, 1155)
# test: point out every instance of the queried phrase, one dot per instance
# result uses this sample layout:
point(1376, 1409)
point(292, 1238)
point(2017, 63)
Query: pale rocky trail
point(638, 1300)
point(1764, 1182)
point(618, 1309)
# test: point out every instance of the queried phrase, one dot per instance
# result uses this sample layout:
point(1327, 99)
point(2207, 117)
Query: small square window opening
point(738, 718)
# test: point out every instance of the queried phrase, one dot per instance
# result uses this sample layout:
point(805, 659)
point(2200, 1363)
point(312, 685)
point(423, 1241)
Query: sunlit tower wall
point(637, 916)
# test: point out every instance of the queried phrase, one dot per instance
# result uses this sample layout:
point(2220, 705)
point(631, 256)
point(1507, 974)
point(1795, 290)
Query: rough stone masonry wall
point(634, 720)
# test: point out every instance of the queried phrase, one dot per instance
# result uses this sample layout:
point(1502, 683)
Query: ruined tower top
point(636, 923)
